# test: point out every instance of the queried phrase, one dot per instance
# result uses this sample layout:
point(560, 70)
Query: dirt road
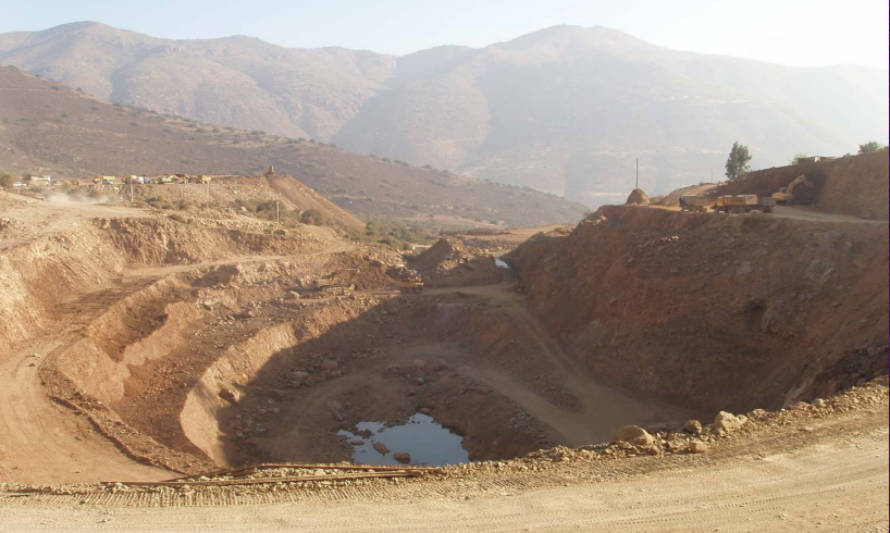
point(44, 441)
point(835, 485)
point(36, 217)
point(807, 213)
point(799, 212)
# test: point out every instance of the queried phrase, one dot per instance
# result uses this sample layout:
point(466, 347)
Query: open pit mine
point(161, 356)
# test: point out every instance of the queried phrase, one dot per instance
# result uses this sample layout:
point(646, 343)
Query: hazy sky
point(793, 32)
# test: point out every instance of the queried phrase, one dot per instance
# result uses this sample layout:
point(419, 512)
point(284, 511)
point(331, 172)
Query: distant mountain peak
point(87, 30)
point(84, 26)
point(568, 35)
point(80, 24)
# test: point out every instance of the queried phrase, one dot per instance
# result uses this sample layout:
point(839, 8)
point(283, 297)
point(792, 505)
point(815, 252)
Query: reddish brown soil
point(724, 311)
point(213, 341)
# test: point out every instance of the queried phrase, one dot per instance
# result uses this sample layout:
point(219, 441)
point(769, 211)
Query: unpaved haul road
point(839, 485)
point(798, 212)
point(41, 441)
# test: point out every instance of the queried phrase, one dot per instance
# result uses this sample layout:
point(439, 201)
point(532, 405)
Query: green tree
point(870, 146)
point(737, 163)
point(6, 180)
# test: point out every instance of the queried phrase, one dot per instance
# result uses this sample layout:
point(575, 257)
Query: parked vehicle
point(744, 203)
point(698, 204)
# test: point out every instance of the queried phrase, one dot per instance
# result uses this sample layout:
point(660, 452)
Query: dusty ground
point(138, 346)
point(810, 468)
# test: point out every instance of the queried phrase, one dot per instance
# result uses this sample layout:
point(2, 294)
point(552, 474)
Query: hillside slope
point(236, 81)
point(568, 109)
point(564, 110)
point(48, 128)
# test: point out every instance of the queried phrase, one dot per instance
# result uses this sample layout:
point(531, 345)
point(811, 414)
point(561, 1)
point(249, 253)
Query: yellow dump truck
point(743, 203)
point(698, 204)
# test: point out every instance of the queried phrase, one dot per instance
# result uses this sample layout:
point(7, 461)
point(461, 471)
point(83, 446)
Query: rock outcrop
point(633, 435)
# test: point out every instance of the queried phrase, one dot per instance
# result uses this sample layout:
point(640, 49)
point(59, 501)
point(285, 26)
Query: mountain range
point(565, 110)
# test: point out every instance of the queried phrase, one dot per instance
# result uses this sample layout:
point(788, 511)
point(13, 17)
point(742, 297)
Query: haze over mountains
point(564, 110)
point(48, 128)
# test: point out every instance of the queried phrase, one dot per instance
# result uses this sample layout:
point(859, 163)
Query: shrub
point(737, 162)
point(313, 216)
point(870, 146)
point(6, 180)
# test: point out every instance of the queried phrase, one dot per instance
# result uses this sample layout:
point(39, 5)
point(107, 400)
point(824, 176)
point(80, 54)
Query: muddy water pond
point(426, 441)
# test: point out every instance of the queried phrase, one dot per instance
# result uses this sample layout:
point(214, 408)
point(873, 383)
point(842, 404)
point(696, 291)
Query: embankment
point(728, 312)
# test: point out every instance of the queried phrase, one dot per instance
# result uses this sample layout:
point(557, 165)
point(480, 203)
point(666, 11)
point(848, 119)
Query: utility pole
point(131, 191)
point(638, 174)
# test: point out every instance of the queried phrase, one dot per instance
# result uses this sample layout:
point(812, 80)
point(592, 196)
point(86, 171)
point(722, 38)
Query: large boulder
point(692, 426)
point(380, 447)
point(634, 435)
point(698, 446)
point(230, 394)
point(727, 422)
point(402, 457)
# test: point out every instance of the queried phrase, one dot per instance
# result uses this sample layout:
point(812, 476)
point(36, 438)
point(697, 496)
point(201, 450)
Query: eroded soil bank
point(731, 312)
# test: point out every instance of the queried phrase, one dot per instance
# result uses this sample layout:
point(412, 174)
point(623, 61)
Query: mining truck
point(744, 203)
point(698, 204)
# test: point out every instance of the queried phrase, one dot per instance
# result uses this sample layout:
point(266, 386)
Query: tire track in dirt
point(44, 441)
point(837, 483)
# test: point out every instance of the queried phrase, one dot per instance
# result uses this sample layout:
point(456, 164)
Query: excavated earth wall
point(120, 301)
point(731, 312)
point(37, 274)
